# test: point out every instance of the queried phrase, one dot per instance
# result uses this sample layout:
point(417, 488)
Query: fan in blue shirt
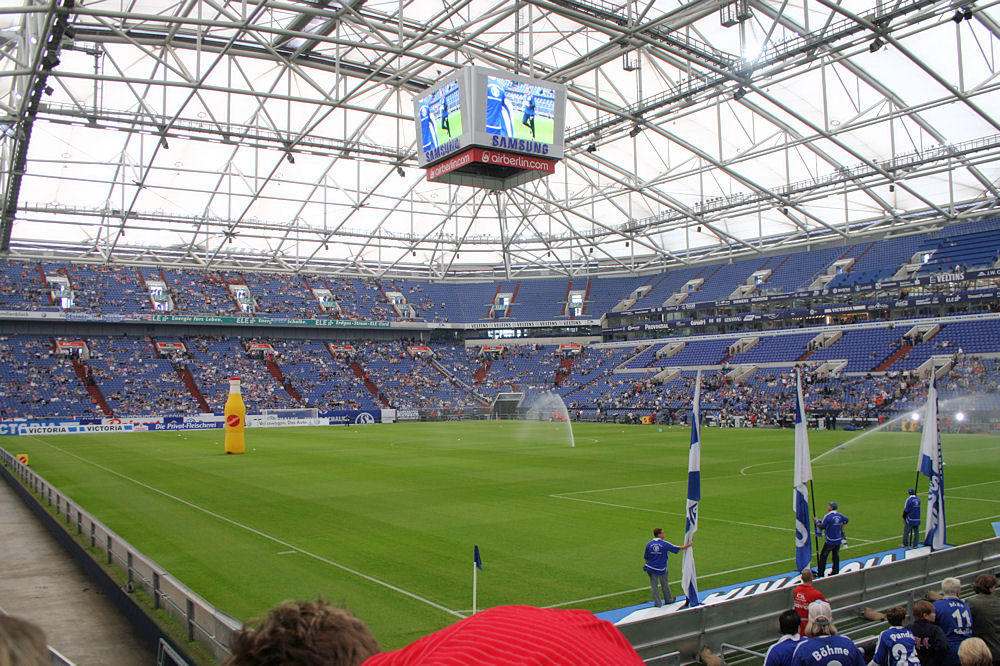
point(954, 617)
point(896, 645)
point(780, 654)
point(823, 647)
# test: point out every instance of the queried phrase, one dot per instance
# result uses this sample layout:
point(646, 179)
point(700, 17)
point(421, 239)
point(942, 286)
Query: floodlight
point(876, 45)
point(960, 416)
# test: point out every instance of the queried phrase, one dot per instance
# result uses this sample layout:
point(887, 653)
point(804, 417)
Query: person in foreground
point(519, 636)
point(954, 617)
point(803, 595)
point(896, 645)
point(985, 607)
point(932, 645)
point(305, 633)
point(974, 652)
point(823, 647)
point(780, 654)
point(656, 554)
point(22, 643)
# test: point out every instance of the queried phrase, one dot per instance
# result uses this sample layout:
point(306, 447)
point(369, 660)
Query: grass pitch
point(454, 129)
point(545, 128)
point(383, 519)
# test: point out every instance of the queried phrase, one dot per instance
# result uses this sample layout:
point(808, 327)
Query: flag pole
point(475, 578)
point(812, 497)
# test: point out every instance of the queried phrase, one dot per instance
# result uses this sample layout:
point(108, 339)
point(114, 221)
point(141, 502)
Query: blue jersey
point(827, 651)
point(955, 619)
point(896, 647)
point(833, 527)
point(780, 654)
point(656, 554)
point(428, 133)
point(497, 111)
point(911, 510)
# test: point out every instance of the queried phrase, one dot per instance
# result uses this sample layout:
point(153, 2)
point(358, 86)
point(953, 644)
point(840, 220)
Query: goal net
point(276, 418)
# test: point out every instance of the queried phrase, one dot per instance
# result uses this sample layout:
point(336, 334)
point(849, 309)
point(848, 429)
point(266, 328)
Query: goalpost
point(278, 418)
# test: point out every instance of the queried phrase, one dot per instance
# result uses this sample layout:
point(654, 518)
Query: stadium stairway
point(369, 384)
point(185, 374)
point(565, 368)
point(276, 372)
point(481, 373)
point(898, 354)
point(93, 389)
point(44, 585)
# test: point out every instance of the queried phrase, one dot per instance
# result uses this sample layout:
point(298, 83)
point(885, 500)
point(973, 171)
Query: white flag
point(689, 577)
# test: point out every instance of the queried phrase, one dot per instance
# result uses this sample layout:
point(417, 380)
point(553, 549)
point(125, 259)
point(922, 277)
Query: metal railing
point(752, 619)
point(201, 621)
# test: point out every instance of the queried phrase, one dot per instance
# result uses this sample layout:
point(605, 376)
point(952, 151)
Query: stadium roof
point(279, 134)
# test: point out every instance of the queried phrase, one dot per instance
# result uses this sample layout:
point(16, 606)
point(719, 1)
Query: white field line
point(972, 485)
point(672, 513)
point(971, 499)
point(252, 530)
point(789, 468)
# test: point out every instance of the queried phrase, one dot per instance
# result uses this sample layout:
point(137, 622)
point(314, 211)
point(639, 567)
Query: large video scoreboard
point(490, 128)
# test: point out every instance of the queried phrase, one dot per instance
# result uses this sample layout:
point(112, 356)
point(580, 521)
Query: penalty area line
point(253, 530)
point(670, 513)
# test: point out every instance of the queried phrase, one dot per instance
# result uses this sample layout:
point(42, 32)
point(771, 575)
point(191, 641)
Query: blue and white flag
point(931, 465)
point(477, 565)
point(689, 578)
point(803, 475)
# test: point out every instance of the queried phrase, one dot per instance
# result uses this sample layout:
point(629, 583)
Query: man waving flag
point(931, 465)
point(689, 580)
point(803, 475)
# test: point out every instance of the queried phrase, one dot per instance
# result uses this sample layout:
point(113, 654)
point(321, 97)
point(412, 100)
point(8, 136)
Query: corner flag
point(803, 475)
point(931, 465)
point(689, 581)
point(477, 565)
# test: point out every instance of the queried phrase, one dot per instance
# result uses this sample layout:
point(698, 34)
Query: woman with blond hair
point(823, 647)
point(973, 652)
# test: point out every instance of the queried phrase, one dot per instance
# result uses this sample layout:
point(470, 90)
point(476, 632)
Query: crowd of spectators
point(39, 384)
point(136, 380)
point(946, 630)
point(217, 360)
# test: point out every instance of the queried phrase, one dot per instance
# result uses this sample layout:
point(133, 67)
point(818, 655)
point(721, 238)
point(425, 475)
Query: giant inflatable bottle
point(236, 415)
